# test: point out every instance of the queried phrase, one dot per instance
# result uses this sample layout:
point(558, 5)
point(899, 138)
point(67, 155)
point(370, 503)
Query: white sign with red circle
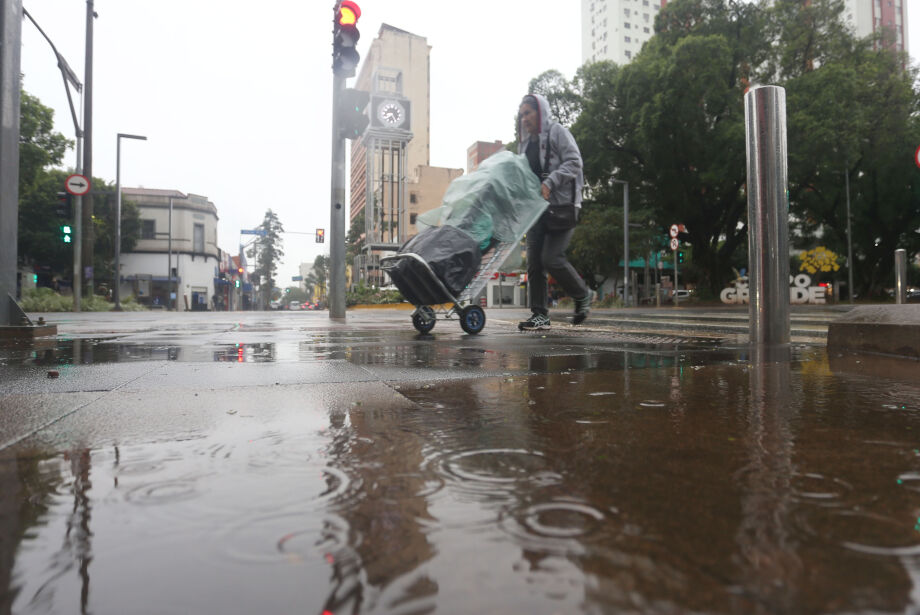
point(674, 243)
point(76, 185)
point(674, 230)
point(917, 156)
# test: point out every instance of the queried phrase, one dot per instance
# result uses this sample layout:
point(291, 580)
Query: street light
point(118, 215)
point(625, 238)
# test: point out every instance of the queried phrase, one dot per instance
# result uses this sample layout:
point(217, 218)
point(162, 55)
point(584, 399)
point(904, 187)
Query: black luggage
point(451, 253)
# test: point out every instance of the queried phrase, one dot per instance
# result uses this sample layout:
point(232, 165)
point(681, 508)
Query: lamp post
point(117, 289)
point(846, 177)
point(169, 275)
point(625, 239)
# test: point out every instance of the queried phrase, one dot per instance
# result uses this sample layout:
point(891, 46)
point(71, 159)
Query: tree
point(39, 237)
point(671, 123)
point(354, 241)
point(320, 274)
point(267, 252)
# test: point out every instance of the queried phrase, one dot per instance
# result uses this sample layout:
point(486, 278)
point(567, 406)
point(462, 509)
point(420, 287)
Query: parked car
point(294, 305)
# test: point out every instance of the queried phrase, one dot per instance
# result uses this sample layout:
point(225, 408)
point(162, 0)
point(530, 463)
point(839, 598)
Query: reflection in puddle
point(581, 483)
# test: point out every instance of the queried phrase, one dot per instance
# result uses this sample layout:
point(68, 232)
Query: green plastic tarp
point(498, 201)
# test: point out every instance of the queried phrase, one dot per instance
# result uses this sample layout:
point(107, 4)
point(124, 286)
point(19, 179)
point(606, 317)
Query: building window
point(629, 54)
point(148, 229)
point(412, 218)
point(627, 39)
point(645, 30)
point(198, 239)
point(626, 12)
point(626, 25)
point(413, 198)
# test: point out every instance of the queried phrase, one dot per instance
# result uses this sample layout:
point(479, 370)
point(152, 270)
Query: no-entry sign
point(76, 185)
point(917, 156)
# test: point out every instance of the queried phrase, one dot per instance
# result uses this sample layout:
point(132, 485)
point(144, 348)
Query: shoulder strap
point(549, 133)
point(549, 141)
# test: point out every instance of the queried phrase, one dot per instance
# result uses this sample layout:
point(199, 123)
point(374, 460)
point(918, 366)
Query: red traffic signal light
point(345, 37)
point(320, 235)
point(349, 12)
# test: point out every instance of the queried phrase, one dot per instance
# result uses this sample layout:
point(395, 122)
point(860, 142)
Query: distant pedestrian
point(554, 158)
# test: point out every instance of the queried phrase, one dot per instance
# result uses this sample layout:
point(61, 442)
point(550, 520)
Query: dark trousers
point(546, 254)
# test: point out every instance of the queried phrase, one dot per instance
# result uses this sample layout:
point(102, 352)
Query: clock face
point(391, 114)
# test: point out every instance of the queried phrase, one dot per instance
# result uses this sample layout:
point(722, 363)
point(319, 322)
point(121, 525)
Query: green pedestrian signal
point(66, 233)
point(680, 257)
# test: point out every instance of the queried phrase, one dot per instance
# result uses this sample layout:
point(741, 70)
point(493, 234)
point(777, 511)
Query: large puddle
point(592, 482)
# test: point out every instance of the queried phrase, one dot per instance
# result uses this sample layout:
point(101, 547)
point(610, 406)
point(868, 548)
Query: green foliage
point(354, 241)
point(267, 250)
point(46, 300)
point(671, 123)
point(362, 294)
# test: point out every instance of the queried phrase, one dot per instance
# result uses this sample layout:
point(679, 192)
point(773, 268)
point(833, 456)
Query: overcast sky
point(235, 96)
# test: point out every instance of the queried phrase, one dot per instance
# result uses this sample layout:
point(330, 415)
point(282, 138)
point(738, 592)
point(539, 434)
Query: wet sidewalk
point(260, 462)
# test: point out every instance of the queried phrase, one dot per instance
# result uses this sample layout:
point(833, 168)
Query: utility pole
point(86, 222)
point(11, 37)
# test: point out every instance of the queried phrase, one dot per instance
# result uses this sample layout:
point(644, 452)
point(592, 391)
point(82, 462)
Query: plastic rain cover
point(500, 200)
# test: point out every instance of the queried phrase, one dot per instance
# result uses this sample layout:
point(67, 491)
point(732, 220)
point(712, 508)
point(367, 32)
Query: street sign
point(76, 185)
point(255, 231)
point(673, 232)
point(917, 156)
point(296, 278)
point(674, 243)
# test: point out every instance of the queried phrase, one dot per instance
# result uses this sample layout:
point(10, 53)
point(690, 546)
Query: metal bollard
point(900, 276)
point(768, 215)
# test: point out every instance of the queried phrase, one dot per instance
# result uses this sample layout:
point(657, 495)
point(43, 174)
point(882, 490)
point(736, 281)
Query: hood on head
point(542, 112)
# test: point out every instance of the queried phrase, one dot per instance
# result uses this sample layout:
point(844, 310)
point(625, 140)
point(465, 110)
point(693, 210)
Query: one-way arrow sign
point(76, 185)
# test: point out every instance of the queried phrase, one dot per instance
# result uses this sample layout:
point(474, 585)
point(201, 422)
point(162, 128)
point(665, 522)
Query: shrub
point(364, 295)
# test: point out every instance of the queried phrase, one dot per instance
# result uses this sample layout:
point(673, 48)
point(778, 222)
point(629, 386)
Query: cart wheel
point(472, 319)
point(423, 319)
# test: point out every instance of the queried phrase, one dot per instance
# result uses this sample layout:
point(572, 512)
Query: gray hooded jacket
point(565, 166)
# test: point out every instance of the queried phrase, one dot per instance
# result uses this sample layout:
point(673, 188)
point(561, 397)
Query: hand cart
point(419, 284)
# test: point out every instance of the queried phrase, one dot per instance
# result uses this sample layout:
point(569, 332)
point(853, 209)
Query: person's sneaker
point(582, 308)
point(534, 323)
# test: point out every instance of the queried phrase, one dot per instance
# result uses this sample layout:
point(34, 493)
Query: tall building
point(616, 29)
point(390, 164)
point(870, 16)
point(408, 56)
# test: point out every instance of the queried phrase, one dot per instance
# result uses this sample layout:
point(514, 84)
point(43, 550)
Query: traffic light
point(64, 205)
point(320, 235)
point(680, 256)
point(351, 118)
point(237, 284)
point(66, 233)
point(345, 37)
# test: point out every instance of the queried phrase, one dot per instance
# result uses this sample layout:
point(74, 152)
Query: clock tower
point(386, 218)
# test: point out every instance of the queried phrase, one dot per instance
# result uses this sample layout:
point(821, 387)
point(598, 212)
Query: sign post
point(674, 245)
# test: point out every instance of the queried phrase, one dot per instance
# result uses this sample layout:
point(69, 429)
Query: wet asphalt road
point(283, 462)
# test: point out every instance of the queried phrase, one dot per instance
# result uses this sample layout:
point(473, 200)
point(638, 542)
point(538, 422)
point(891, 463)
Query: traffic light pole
point(11, 35)
point(336, 293)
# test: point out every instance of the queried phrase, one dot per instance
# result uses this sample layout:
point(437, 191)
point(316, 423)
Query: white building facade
point(869, 16)
point(190, 283)
point(616, 29)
